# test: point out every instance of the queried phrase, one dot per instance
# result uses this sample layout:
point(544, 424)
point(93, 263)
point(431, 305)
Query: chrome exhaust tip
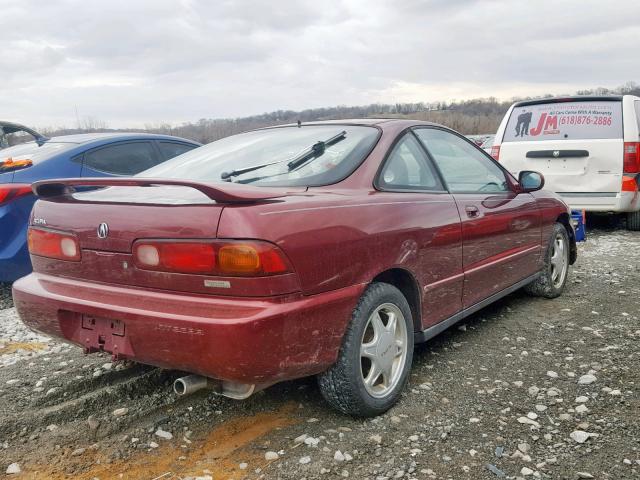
point(190, 384)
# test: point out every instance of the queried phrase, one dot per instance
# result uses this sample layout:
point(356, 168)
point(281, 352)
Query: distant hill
point(482, 115)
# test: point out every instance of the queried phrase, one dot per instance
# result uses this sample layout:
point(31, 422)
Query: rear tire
point(633, 221)
point(376, 355)
point(551, 283)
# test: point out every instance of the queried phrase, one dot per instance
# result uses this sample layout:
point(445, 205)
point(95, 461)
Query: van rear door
point(576, 144)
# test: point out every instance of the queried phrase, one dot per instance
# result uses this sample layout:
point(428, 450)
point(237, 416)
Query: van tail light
point(11, 191)
point(495, 152)
point(220, 257)
point(629, 184)
point(53, 244)
point(631, 162)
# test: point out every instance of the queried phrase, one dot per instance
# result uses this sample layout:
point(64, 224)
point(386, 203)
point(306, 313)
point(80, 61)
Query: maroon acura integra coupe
point(324, 249)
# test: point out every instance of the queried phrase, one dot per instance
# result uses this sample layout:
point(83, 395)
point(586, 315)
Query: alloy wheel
point(383, 350)
point(559, 261)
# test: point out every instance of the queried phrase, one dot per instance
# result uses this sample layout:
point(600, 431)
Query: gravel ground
point(5, 296)
point(526, 388)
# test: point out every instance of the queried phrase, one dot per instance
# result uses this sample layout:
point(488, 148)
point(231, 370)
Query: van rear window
point(579, 120)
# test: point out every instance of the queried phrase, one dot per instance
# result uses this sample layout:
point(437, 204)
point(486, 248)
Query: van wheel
point(633, 221)
point(551, 283)
point(376, 355)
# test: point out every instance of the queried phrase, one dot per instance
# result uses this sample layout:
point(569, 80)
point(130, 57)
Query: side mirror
point(530, 181)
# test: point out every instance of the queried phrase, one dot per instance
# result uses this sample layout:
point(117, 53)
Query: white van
point(587, 148)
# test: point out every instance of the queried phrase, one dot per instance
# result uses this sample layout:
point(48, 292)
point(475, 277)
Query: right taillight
point(631, 162)
point(218, 257)
point(11, 191)
point(495, 152)
point(53, 244)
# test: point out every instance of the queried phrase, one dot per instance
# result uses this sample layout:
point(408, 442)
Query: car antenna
point(299, 123)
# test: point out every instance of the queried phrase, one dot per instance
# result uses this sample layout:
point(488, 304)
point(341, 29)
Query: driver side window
point(464, 168)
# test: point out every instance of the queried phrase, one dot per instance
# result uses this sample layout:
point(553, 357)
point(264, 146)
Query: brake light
point(629, 184)
point(631, 162)
point(53, 244)
point(11, 191)
point(495, 152)
point(220, 257)
point(184, 257)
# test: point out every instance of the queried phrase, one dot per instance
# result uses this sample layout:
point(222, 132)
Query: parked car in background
point(324, 249)
point(588, 149)
point(85, 155)
point(477, 139)
point(487, 145)
point(10, 131)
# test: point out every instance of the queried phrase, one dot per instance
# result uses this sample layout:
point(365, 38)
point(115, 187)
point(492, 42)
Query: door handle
point(472, 211)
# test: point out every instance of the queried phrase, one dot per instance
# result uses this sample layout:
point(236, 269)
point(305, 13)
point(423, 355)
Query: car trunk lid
point(108, 221)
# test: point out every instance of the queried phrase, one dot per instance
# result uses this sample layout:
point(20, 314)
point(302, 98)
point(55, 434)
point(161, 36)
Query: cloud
point(136, 62)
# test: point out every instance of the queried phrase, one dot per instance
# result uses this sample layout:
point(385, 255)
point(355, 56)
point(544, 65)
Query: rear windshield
point(31, 151)
point(579, 120)
point(278, 147)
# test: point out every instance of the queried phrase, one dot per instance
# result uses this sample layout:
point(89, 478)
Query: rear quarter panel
point(59, 166)
point(335, 240)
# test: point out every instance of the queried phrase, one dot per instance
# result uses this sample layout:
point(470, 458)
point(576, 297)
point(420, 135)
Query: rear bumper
point(617, 202)
point(242, 340)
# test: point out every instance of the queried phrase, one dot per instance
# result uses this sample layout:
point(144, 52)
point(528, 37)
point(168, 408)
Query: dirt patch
point(218, 454)
point(14, 347)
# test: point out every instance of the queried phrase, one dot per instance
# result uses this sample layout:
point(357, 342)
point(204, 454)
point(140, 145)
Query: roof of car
point(80, 138)
point(361, 121)
point(571, 98)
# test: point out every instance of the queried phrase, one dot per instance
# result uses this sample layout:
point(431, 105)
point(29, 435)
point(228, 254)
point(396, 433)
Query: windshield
point(270, 146)
point(31, 151)
point(574, 120)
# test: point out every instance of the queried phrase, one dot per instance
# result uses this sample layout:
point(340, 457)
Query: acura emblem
point(103, 230)
point(556, 153)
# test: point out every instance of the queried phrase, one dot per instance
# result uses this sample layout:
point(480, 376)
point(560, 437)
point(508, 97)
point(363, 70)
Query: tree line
point(477, 116)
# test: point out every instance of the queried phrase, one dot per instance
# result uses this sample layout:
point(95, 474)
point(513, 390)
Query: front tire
point(376, 355)
point(551, 283)
point(633, 221)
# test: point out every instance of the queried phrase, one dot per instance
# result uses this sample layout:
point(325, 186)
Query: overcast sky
point(136, 62)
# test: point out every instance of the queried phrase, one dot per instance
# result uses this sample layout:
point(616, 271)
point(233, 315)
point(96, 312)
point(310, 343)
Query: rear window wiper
point(316, 150)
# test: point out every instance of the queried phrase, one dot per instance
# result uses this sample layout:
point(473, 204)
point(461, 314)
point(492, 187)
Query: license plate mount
point(105, 335)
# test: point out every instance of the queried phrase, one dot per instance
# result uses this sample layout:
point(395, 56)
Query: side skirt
point(438, 328)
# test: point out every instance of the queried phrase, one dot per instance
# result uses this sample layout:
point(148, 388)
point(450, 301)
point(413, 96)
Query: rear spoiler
point(220, 192)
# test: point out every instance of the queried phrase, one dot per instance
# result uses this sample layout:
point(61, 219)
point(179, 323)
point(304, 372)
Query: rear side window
point(580, 120)
point(408, 168)
point(122, 159)
point(173, 149)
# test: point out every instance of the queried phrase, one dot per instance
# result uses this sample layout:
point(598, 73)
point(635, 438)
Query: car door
point(429, 227)
point(122, 158)
point(501, 229)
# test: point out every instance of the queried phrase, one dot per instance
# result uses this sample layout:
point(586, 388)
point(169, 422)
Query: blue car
point(84, 155)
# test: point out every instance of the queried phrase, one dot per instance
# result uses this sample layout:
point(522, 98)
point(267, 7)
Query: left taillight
point(250, 258)
point(11, 191)
point(53, 244)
